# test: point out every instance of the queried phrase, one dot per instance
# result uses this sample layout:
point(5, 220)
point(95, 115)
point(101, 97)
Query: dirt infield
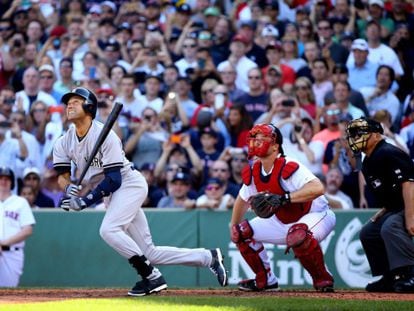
point(38, 295)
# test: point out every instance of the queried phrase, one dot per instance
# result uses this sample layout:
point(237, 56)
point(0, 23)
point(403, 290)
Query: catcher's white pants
point(125, 228)
point(271, 230)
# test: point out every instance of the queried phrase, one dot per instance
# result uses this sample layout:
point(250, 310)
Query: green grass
point(198, 303)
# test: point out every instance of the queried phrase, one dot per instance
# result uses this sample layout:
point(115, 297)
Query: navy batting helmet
point(5, 171)
point(91, 102)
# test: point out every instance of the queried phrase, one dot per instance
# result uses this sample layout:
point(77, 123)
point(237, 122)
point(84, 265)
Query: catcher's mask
point(358, 132)
point(260, 146)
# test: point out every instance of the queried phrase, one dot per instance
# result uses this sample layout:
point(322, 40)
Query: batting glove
point(77, 204)
point(65, 203)
point(72, 190)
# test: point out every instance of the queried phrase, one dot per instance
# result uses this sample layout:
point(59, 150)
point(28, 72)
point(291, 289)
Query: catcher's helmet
point(5, 171)
point(358, 132)
point(91, 102)
point(272, 136)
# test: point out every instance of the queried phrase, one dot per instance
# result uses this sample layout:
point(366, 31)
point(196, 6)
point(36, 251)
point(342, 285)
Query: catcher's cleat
point(404, 284)
point(324, 286)
point(148, 287)
point(250, 286)
point(217, 266)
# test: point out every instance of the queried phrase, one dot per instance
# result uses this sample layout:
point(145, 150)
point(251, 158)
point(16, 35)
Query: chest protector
point(290, 212)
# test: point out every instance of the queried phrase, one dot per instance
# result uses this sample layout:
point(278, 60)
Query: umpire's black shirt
point(385, 170)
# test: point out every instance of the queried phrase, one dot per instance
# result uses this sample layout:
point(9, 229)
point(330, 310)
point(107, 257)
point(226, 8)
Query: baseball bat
point(116, 110)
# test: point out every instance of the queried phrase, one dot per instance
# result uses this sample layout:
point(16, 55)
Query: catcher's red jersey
point(290, 212)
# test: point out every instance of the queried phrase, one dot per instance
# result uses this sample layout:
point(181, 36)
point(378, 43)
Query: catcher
point(291, 210)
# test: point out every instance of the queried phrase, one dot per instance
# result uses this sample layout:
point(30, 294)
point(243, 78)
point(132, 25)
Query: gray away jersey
point(70, 153)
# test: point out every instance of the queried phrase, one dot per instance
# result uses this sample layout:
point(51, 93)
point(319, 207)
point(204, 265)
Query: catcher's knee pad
point(241, 232)
point(297, 235)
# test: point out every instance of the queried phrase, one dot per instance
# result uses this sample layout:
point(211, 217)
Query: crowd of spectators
point(195, 75)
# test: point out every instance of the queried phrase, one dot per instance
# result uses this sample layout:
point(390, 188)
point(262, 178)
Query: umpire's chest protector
point(289, 213)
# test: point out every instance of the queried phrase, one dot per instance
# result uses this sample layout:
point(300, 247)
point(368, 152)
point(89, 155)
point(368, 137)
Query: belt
point(10, 248)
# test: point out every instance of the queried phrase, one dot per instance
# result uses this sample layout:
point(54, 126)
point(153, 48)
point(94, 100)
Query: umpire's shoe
point(217, 266)
point(148, 287)
point(383, 285)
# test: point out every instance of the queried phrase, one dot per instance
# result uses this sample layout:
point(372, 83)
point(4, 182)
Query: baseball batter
point(124, 226)
point(298, 215)
point(16, 224)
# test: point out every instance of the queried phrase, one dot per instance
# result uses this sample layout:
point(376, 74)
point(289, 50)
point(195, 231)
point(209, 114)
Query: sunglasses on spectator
point(212, 187)
point(189, 45)
point(4, 28)
point(333, 112)
point(46, 77)
point(220, 93)
point(255, 77)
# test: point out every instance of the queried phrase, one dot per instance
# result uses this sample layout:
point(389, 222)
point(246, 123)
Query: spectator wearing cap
point(178, 22)
point(19, 17)
point(340, 74)
point(106, 31)
point(378, 52)
point(256, 99)
point(155, 193)
point(32, 178)
point(221, 170)
point(208, 152)
point(211, 16)
point(65, 82)
point(12, 147)
point(109, 9)
point(376, 13)
point(240, 61)
point(179, 193)
point(330, 49)
point(169, 78)
point(152, 12)
point(47, 81)
point(253, 51)
point(139, 28)
point(214, 197)
point(361, 71)
point(182, 90)
point(381, 96)
point(112, 54)
point(31, 91)
point(274, 54)
point(268, 35)
point(205, 40)
point(189, 59)
point(228, 76)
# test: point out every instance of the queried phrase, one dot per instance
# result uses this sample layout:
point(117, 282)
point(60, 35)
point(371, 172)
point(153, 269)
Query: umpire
point(388, 238)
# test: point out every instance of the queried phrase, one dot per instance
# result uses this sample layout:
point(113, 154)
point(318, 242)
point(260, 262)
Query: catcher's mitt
point(265, 204)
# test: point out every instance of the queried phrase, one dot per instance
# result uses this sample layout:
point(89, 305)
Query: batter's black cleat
point(217, 266)
point(148, 287)
point(250, 286)
point(383, 285)
point(404, 285)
